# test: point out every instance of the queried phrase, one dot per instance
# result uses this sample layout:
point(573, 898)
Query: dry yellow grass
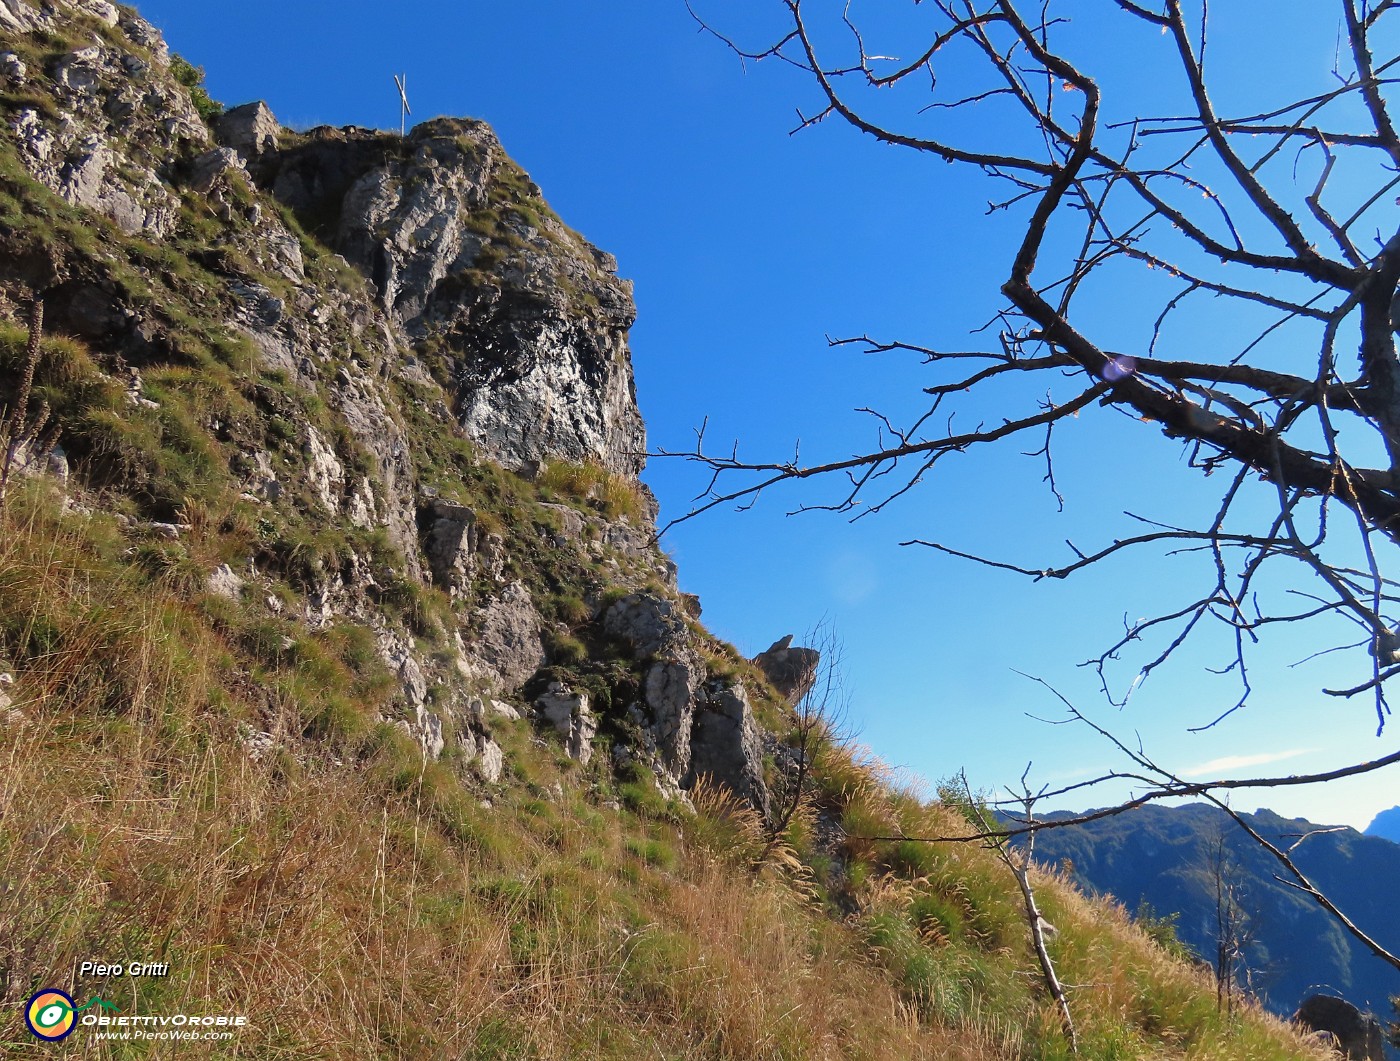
point(356, 903)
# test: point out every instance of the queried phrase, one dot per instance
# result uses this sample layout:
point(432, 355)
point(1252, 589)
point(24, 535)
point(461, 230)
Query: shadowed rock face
point(791, 670)
point(523, 314)
point(1356, 1035)
point(691, 727)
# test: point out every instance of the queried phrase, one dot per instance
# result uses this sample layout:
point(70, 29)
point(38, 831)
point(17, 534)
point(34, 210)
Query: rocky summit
point(448, 301)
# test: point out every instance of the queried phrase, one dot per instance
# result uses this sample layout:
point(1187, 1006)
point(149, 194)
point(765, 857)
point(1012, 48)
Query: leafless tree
point(1232, 931)
point(1255, 254)
point(1018, 859)
point(814, 686)
point(1153, 202)
point(23, 438)
point(818, 722)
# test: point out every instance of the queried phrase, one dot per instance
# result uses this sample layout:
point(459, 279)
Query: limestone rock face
point(646, 622)
point(569, 713)
point(692, 726)
point(120, 124)
point(727, 743)
point(429, 299)
point(467, 258)
point(670, 690)
point(490, 760)
point(451, 546)
point(18, 17)
point(509, 644)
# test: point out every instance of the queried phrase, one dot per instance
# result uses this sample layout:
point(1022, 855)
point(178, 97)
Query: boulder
point(102, 10)
point(1358, 1036)
point(490, 761)
point(13, 68)
point(251, 130)
point(505, 711)
point(791, 671)
point(215, 166)
point(415, 682)
point(571, 523)
point(223, 582)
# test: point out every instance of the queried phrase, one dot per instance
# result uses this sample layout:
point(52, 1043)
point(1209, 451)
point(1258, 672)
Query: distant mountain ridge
point(1162, 856)
point(1386, 825)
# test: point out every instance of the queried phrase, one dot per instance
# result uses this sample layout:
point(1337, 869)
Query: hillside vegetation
point(357, 901)
point(266, 728)
point(1170, 859)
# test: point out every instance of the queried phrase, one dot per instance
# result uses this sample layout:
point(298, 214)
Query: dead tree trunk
point(19, 433)
point(1019, 863)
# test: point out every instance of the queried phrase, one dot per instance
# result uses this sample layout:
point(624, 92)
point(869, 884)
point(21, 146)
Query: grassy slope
point(357, 902)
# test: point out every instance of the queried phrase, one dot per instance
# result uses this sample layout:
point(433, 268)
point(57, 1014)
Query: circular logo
point(50, 1015)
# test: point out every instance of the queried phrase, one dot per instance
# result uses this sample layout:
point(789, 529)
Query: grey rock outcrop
point(791, 671)
point(505, 711)
point(426, 726)
point(488, 758)
point(16, 16)
point(475, 313)
point(466, 257)
point(224, 582)
point(451, 545)
point(13, 68)
point(570, 715)
point(214, 167)
point(727, 744)
point(692, 726)
point(251, 130)
point(91, 157)
point(509, 644)
point(648, 623)
point(1356, 1035)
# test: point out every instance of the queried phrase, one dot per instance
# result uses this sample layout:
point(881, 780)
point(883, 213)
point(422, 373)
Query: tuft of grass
point(591, 487)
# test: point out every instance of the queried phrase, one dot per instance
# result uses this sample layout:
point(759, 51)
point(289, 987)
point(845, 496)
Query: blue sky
point(747, 247)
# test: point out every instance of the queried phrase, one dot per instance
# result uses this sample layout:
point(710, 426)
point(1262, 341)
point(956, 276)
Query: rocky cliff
point(377, 380)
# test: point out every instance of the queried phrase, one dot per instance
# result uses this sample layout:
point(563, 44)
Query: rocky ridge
point(380, 382)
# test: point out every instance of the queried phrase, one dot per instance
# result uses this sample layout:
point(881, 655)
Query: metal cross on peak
point(401, 83)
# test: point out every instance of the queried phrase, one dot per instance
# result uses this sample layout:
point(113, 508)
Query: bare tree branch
point(1253, 259)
